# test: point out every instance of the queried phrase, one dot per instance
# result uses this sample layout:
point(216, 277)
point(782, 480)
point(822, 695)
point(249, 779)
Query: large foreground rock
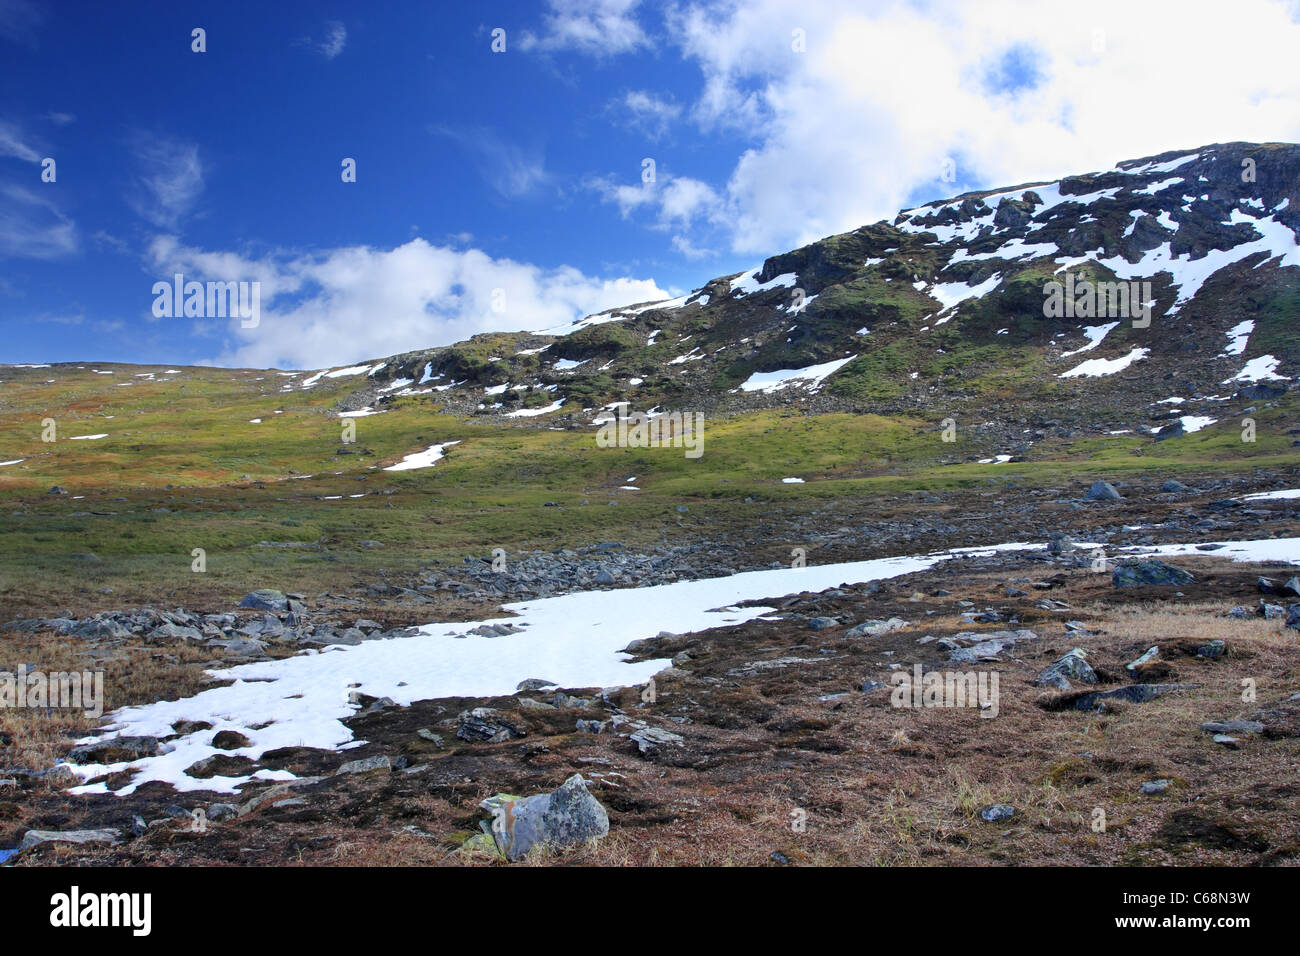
point(564, 817)
point(1148, 572)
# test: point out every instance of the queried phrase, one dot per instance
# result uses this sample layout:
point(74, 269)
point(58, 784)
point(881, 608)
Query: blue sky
point(770, 123)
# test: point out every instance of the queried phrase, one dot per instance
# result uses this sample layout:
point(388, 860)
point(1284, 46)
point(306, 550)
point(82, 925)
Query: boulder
point(876, 628)
point(650, 739)
point(1148, 572)
point(1072, 665)
point(114, 750)
point(1102, 491)
point(567, 816)
point(367, 764)
point(265, 599)
point(486, 724)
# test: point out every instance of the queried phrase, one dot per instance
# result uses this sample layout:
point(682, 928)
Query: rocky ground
point(777, 741)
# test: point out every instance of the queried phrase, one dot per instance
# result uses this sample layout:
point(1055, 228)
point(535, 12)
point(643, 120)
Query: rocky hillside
point(947, 309)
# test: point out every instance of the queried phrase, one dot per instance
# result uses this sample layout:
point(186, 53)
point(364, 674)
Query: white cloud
point(33, 227)
point(677, 201)
point(596, 27)
point(510, 168)
point(14, 142)
point(348, 304)
point(336, 38)
point(846, 132)
point(650, 114)
point(171, 179)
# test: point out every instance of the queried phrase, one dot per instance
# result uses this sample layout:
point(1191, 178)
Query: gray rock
point(1102, 491)
point(1151, 654)
point(81, 837)
point(1071, 665)
point(876, 628)
point(367, 764)
point(535, 683)
point(999, 811)
point(1174, 487)
point(1293, 617)
point(1232, 727)
point(114, 750)
point(265, 599)
point(567, 816)
point(1154, 787)
point(1212, 649)
point(650, 739)
point(244, 647)
point(1232, 743)
point(486, 724)
point(170, 631)
point(821, 623)
point(101, 628)
point(1134, 694)
point(1148, 572)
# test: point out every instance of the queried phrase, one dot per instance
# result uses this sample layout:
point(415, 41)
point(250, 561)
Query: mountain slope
point(944, 309)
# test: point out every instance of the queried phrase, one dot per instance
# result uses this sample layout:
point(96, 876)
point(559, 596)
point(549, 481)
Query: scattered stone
point(1232, 727)
point(999, 811)
point(1134, 694)
point(1072, 665)
point(649, 739)
point(34, 838)
point(486, 724)
point(1102, 491)
point(366, 764)
point(265, 599)
point(1133, 667)
point(1149, 572)
point(114, 750)
point(876, 628)
point(821, 623)
point(1212, 649)
point(535, 683)
point(220, 812)
point(230, 740)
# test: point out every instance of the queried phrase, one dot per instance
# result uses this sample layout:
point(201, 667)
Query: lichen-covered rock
point(1071, 665)
point(1149, 572)
point(567, 816)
